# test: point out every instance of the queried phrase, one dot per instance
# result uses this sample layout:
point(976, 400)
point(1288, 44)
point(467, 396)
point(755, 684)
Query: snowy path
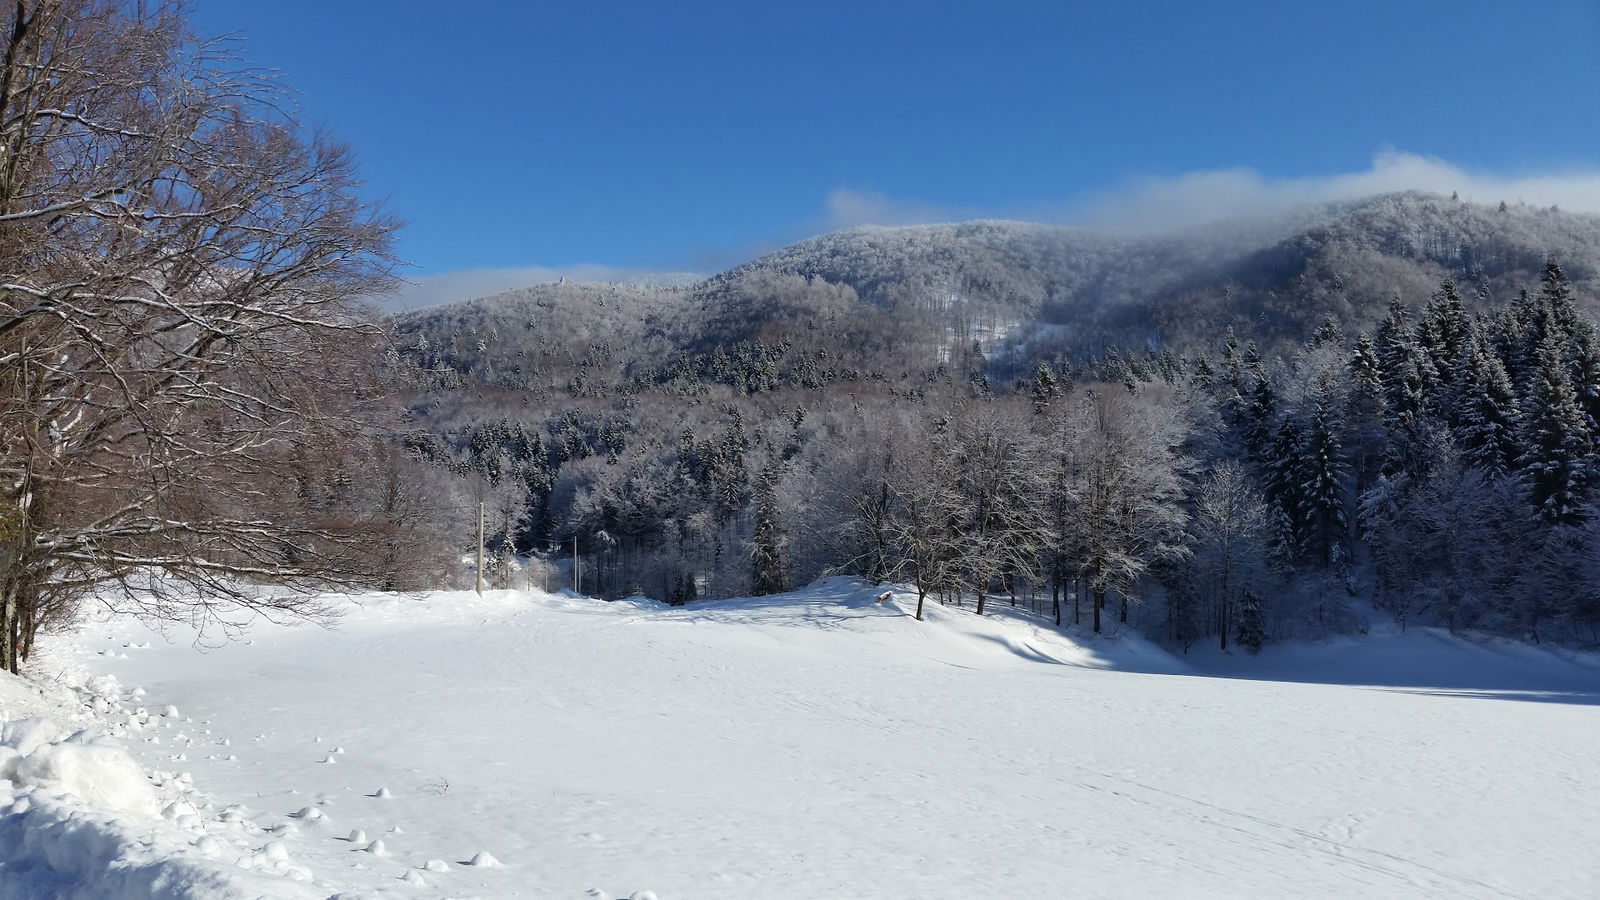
point(820, 745)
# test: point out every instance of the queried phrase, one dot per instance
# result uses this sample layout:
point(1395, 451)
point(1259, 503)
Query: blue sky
point(688, 135)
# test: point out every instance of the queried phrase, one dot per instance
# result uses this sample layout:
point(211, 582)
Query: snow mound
point(93, 769)
point(24, 736)
point(79, 818)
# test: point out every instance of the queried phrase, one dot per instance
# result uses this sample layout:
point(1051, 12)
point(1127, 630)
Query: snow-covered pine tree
point(1321, 474)
point(1284, 489)
point(1258, 424)
point(1530, 325)
point(1365, 417)
point(1557, 450)
point(769, 566)
point(1556, 292)
point(1445, 330)
point(1044, 387)
point(1327, 334)
point(1487, 416)
point(1584, 360)
point(1406, 371)
point(1232, 384)
point(1252, 621)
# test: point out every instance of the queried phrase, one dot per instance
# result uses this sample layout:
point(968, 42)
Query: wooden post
point(480, 548)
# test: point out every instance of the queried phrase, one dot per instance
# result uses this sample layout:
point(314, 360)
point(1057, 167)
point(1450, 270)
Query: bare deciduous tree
point(178, 337)
point(1128, 493)
point(1230, 523)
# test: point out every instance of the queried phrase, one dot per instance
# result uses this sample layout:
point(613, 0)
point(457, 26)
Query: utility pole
point(480, 548)
point(555, 547)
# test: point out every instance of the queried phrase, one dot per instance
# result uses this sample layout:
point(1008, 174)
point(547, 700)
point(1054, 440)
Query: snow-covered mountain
point(1054, 290)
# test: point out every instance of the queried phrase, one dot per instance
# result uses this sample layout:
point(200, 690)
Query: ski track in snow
point(818, 744)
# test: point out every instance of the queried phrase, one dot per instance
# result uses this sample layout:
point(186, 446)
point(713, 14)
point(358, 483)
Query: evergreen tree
point(1231, 384)
point(1321, 475)
point(1259, 422)
point(769, 565)
point(1558, 448)
point(1284, 488)
point(1327, 334)
point(1559, 301)
point(1584, 351)
point(1044, 388)
point(1445, 330)
point(1487, 415)
point(1529, 325)
point(1367, 412)
point(1393, 335)
point(1406, 371)
point(1252, 622)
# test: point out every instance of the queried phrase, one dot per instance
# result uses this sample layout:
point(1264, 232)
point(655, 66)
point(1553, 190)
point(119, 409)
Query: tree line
point(1439, 468)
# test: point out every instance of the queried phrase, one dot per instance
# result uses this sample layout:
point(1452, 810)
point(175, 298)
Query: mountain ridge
point(1026, 291)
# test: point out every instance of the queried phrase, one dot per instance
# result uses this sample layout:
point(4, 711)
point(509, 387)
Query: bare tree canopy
point(178, 262)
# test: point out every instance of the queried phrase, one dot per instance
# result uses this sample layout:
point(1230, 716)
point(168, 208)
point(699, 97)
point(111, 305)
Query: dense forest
point(1253, 434)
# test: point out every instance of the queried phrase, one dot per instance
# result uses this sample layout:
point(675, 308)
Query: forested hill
point(1273, 279)
point(892, 297)
point(948, 404)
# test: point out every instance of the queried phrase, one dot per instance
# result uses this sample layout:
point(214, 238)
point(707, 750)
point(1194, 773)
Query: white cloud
point(847, 208)
point(1198, 197)
point(1194, 198)
point(466, 284)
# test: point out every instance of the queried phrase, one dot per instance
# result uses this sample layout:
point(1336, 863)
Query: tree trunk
point(1099, 601)
point(981, 599)
point(1122, 616)
point(1055, 596)
point(27, 629)
point(8, 641)
point(920, 594)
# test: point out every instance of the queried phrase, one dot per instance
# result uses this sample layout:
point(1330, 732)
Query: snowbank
point(79, 818)
point(89, 767)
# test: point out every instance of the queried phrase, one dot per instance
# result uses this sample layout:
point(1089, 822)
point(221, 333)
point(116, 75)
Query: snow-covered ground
point(808, 745)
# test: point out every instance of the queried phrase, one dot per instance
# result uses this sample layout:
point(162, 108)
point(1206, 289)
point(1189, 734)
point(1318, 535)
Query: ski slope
point(818, 744)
